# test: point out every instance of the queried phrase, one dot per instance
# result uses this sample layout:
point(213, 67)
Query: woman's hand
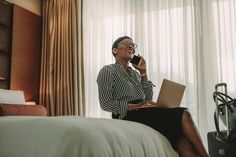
point(144, 104)
point(141, 67)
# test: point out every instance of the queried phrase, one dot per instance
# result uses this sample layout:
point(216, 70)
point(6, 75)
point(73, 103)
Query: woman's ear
point(114, 51)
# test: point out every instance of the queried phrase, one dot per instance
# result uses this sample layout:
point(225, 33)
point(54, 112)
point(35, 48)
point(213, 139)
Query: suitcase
point(219, 148)
point(222, 143)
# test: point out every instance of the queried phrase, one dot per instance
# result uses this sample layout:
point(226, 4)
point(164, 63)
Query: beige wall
point(31, 5)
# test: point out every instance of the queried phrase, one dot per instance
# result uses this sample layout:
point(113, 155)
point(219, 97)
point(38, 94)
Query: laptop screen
point(170, 94)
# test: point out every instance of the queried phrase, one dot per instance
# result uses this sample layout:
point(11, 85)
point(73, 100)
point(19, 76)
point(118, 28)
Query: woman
point(128, 94)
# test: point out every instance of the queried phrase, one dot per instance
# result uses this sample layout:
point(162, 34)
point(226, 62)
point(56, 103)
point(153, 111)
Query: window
point(165, 34)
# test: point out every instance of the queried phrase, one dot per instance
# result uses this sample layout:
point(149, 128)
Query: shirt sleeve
point(105, 89)
point(148, 89)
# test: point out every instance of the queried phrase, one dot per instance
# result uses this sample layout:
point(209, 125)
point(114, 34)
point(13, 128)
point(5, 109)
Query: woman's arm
point(105, 90)
point(147, 85)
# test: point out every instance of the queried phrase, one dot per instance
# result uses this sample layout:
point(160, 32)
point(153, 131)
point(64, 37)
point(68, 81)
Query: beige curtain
point(62, 84)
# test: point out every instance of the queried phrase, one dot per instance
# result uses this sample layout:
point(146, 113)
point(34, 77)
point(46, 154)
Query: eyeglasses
point(128, 44)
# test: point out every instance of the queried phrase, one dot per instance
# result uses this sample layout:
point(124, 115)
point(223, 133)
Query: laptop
point(170, 94)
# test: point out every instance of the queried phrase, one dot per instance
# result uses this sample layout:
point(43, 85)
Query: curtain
point(62, 83)
point(189, 41)
point(164, 31)
point(217, 55)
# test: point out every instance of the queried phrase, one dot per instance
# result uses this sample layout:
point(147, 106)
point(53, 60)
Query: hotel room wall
point(26, 52)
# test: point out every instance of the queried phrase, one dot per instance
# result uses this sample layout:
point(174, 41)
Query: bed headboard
point(20, 60)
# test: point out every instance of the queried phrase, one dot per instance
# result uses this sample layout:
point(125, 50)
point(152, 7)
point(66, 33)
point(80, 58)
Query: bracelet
point(144, 74)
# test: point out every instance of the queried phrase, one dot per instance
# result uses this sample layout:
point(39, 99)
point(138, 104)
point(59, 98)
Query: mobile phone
point(135, 60)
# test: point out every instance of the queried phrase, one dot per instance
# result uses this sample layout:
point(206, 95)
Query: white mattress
point(73, 136)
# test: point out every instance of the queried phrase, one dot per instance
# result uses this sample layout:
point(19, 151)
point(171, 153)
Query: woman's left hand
point(144, 104)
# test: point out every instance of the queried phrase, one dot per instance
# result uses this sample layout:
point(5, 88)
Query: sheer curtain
point(217, 55)
point(189, 41)
point(164, 31)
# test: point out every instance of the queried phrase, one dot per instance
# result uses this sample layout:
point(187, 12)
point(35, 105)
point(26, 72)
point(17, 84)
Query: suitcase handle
point(218, 95)
point(223, 98)
point(219, 85)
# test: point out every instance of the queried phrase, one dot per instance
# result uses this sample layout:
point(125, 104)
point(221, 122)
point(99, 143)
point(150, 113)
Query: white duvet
point(74, 136)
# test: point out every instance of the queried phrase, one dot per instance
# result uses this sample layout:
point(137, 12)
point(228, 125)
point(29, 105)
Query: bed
point(75, 136)
point(37, 135)
point(27, 131)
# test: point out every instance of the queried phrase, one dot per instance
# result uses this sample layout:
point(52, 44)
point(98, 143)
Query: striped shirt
point(117, 88)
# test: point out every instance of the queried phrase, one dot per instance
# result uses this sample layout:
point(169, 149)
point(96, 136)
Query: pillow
point(22, 110)
point(30, 103)
point(12, 96)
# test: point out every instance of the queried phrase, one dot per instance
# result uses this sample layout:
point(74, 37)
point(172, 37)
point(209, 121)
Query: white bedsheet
point(74, 136)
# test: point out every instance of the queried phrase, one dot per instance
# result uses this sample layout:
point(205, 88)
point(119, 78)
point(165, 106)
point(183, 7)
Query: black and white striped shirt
point(117, 88)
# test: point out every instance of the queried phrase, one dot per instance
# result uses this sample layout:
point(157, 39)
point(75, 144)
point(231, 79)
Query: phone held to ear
point(135, 60)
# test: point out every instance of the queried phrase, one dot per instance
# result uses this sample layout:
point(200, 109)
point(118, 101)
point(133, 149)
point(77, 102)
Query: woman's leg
point(191, 133)
point(185, 148)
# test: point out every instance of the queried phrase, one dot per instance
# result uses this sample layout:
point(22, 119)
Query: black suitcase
point(222, 143)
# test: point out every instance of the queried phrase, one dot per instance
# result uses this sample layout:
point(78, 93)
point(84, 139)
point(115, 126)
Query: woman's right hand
point(142, 65)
